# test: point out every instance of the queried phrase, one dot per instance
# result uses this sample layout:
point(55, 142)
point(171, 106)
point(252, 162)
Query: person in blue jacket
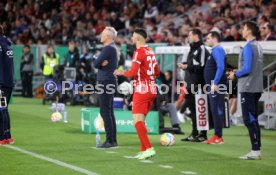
point(6, 86)
point(215, 76)
point(250, 86)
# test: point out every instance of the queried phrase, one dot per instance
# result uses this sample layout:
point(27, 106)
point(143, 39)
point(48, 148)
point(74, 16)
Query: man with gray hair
point(107, 63)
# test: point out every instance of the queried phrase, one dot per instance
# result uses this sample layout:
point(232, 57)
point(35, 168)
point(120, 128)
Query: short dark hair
point(253, 27)
point(50, 46)
point(169, 71)
point(215, 34)
point(27, 46)
point(263, 17)
point(141, 32)
point(197, 32)
point(72, 41)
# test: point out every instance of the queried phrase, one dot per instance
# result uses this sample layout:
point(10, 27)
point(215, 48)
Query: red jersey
point(144, 66)
point(144, 69)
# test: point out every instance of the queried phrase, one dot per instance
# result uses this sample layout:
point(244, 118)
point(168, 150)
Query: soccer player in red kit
point(144, 69)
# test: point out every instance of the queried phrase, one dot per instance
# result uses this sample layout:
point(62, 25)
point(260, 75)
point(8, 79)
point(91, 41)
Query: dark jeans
point(249, 102)
point(4, 115)
point(27, 87)
point(106, 98)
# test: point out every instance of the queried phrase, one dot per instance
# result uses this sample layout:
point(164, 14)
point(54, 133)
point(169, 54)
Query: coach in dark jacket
point(107, 63)
point(6, 86)
point(194, 69)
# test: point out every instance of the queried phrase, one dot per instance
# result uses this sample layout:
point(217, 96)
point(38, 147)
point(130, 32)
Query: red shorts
point(142, 103)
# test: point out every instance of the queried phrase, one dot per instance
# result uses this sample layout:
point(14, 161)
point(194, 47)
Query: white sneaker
point(147, 154)
point(252, 155)
point(180, 117)
point(138, 155)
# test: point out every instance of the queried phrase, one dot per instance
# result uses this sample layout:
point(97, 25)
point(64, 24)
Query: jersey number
point(152, 64)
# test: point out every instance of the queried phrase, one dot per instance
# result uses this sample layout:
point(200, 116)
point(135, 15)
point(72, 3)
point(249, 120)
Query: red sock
point(143, 135)
point(142, 146)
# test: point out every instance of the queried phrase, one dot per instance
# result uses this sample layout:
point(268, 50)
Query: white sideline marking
point(128, 157)
point(111, 152)
point(54, 161)
point(188, 172)
point(166, 166)
point(118, 147)
point(146, 161)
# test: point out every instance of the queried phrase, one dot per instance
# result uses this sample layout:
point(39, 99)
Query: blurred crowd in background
point(167, 21)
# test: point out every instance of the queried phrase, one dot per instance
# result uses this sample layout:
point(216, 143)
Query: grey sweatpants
point(171, 109)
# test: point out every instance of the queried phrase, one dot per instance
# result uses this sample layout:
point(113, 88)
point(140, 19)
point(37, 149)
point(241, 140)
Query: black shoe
point(108, 145)
point(178, 131)
point(115, 144)
point(200, 138)
point(190, 138)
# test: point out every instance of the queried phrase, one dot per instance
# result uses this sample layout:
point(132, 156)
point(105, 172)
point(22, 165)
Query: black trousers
point(106, 91)
point(4, 115)
point(190, 97)
point(27, 87)
point(191, 105)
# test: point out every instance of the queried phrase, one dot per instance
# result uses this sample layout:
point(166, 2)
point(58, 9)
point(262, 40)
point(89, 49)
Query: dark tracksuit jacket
point(6, 63)
point(194, 75)
point(105, 77)
point(6, 84)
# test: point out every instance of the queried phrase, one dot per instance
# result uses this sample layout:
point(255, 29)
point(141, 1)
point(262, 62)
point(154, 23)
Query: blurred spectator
point(26, 70)
point(58, 21)
point(270, 33)
point(115, 21)
point(84, 66)
point(234, 33)
point(121, 64)
point(151, 11)
point(267, 32)
point(263, 20)
point(72, 57)
point(49, 60)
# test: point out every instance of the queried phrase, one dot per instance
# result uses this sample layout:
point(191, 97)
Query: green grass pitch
point(33, 131)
